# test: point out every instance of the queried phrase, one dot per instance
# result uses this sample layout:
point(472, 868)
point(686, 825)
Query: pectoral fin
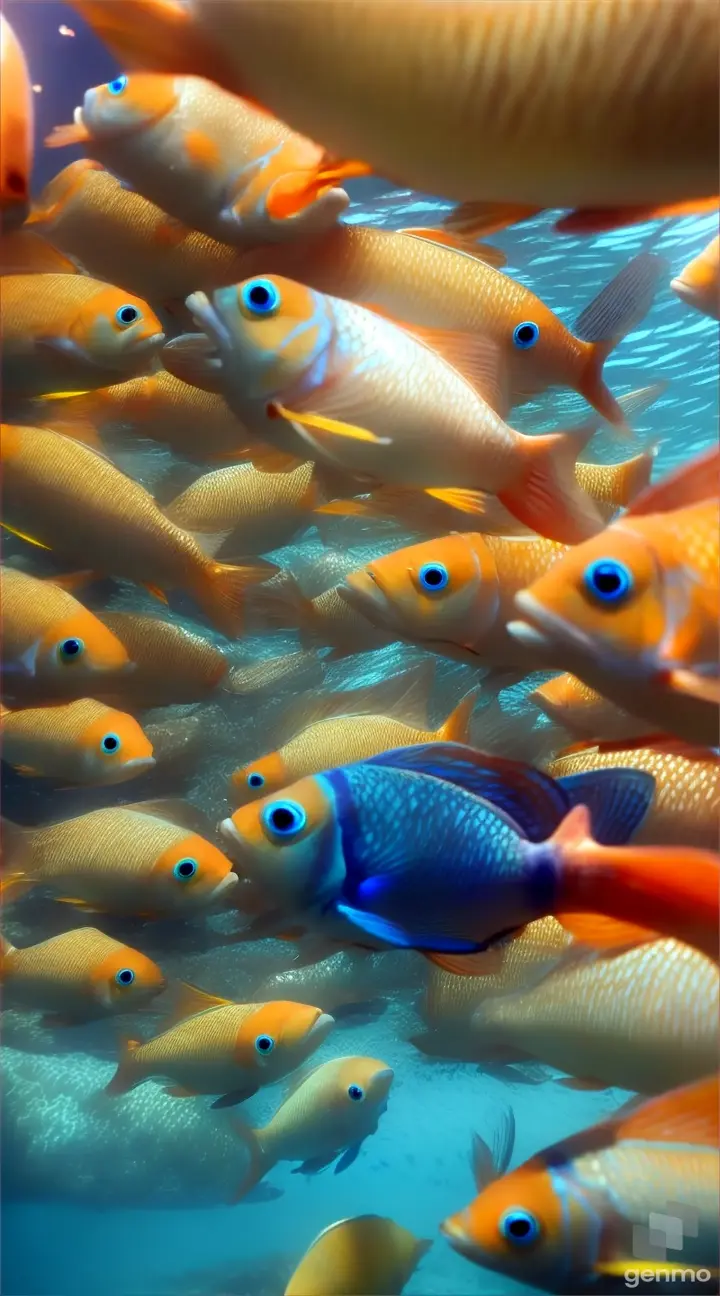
point(334, 426)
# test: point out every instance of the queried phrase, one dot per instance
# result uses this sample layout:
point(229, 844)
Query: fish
point(16, 130)
point(216, 1046)
point(65, 332)
point(369, 1254)
point(209, 158)
point(151, 860)
point(77, 742)
point(25, 252)
point(698, 284)
point(48, 636)
point(351, 984)
point(327, 1115)
point(634, 612)
point(344, 728)
point(422, 107)
point(364, 394)
point(585, 713)
point(577, 1212)
point(327, 620)
point(361, 853)
point(78, 976)
point(646, 1019)
point(455, 594)
point(68, 498)
point(686, 805)
point(258, 511)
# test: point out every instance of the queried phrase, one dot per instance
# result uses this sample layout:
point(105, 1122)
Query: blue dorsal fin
point(618, 800)
point(533, 800)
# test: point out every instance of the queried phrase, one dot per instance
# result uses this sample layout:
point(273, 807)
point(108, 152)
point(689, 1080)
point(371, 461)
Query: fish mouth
point(362, 592)
point(321, 1028)
point(384, 1079)
point(534, 633)
point(225, 884)
point(209, 320)
point(453, 1229)
point(131, 768)
point(230, 832)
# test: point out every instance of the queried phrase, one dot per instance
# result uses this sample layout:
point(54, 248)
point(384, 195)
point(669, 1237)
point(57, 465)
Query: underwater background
point(129, 1197)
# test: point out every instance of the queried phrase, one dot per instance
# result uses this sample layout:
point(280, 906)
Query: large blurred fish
point(582, 104)
point(77, 976)
point(444, 849)
point(65, 496)
point(635, 612)
point(698, 284)
point(66, 332)
point(367, 1254)
point(211, 160)
point(582, 1210)
point(585, 713)
point(79, 742)
point(215, 1046)
point(16, 129)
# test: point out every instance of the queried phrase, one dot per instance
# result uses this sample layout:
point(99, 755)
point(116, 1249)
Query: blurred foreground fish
point(16, 130)
point(215, 1046)
point(578, 1212)
point(635, 612)
point(698, 285)
point(77, 977)
point(447, 850)
point(328, 1114)
point(449, 107)
point(148, 860)
point(364, 1256)
point(211, 160)
point(79, 742)
point(65, 332)
point(65, 496)
point(585, 713)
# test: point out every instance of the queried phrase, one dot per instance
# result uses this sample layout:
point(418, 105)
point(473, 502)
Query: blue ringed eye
point(519, 1227)
point(260, 296)
point(356, 1092)
point(608, 580)
point(70, 649)
point(125, 976)
point(265, 1044)
point(127, 315)
point(525, 335)
point(434, 576)
point(284, 818)
point(117, 86)
point(185, 869)
point(110, 744)
point(255, 780)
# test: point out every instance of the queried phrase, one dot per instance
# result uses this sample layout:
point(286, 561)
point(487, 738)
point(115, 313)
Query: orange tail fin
point(547, 496)
point(157, 35)
point(126, 1077)
point(259, 1163)
point(222, 594)
point(457, 726)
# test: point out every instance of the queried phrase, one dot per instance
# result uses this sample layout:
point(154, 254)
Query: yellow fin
point(80, 904)
point(27, 771)
point(156, 592)
point(23, 536)
point(346, 508)
point(474, 218)
point(191, 1000)
point(466, 501)
point(335, 426)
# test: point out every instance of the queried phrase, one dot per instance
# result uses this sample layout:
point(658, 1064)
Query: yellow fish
point(258, 511)
point(215, 1046)
point(368, 1254)
point(79, 742)
point(585, 713)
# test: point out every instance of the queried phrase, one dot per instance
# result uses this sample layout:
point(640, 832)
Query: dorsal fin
point(692, 483)
point(463, 244)
point(189, 1000)
point(404, 696)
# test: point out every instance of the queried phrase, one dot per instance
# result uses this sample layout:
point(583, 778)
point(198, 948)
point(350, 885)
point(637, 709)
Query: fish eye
point(117, 86)
point(525, 335)
point(127, 315)
point(264, 1043)
point(260, 296)
point(185, 869)
point(284, 818)
point(434, 576)
point(255, 780)
point(125, 976)
point(608, 580)
point(356, 1092)
point(70, 649)
point(519, 1227)
point(110, 744)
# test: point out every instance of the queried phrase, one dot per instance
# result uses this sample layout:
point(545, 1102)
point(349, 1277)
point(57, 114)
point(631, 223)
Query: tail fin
point(157, 34)
point(547, 496)
point(306, 669)
point(283, 606)
point(17, 877)
point(259, 1160)
point(222, 593)
point(615, 312)
point(457, 726)
point(6, 955)
point(127, 1075)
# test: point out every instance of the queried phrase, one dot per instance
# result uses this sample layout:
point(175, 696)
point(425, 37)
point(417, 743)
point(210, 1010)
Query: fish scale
point(206, 1038)
point(30, 607)
point(104, 843)
point(262, 509)
point(68, 957)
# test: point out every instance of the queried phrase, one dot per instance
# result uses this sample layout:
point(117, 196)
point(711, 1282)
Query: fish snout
point(224, 885)
point(320, 1029)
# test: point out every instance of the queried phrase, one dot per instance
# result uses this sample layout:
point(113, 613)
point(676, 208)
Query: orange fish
point(77, 976)
point(578, 1212)
point(584, 712)
point(216, 1046)
point(65, 332)
point(148, 860)
point(368, 1254)
point(79, 742)
point(211, 160)
point(48, 636)
point(16, 130)
point(65, 496)
point(448, 107)
point(698, 285)
point(635, 612)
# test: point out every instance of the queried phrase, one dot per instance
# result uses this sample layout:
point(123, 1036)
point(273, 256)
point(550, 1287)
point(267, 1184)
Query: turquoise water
point(130, 1197)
